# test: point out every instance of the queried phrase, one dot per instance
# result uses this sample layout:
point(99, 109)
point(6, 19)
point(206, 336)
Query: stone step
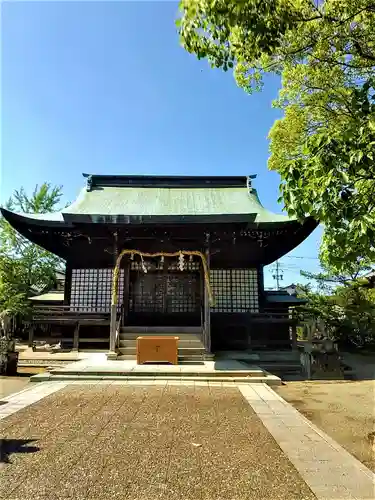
point(189, 358)
point(181, 336)
point(182, 351)
point(159, 371)
point(165, 378)
point(125, 357)
point(182, 360)
point(182, 343)
point(192, 360)
point(162, 330)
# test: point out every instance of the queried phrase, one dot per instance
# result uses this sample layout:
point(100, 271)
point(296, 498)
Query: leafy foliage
point(13, 298)
point(333, 181)
point(347, 311)
point(24, 265)
point(323, 146)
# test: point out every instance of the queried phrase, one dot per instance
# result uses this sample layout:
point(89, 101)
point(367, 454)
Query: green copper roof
point(156, 201)
point(202, 203)
point(52, 217)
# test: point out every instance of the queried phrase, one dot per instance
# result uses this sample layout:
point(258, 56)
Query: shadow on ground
point(11, 446)
point(232, 365)
point(362, 364)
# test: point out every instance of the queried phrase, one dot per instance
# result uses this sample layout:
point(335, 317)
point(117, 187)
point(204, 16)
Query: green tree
point(323, 147)
point(24, 265)
point(345, 305)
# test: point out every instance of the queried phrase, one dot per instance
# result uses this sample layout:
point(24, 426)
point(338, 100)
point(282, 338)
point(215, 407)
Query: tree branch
point(311, 44)
point(361, 52)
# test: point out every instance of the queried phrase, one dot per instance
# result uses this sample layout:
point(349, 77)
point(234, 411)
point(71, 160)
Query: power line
point(299, 257)
point(294, 271)
point(289, 272)
point(278, 275)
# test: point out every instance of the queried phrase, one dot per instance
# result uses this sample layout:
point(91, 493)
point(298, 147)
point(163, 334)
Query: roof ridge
point(167, 181)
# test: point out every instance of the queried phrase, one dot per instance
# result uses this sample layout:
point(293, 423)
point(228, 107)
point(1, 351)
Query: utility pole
point(278, 276)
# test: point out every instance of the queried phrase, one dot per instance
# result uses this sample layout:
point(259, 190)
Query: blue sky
point(104, 87)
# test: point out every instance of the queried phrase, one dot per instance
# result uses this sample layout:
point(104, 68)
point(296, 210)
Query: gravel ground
point(128, 442)
point(345, 410)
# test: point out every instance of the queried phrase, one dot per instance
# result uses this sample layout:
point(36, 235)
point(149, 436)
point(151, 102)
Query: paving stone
point(19, 401)
point(327, 468)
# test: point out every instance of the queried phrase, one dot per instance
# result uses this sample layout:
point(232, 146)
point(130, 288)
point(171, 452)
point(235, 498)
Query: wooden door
point(168, 297)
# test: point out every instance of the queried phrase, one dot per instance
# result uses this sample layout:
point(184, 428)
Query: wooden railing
point(269, 315)
point(42, 310)
point(67, 314)
point(67, 309)
point(47, 310)
point(273, 316)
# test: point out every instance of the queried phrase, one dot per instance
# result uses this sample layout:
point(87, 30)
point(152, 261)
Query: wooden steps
point(158, 330)
point(190, 345)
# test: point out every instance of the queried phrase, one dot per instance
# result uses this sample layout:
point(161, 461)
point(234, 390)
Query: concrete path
point(99, 363)
point(159, 439)
point(32, 394)
point(329, 470)
point(97, 367)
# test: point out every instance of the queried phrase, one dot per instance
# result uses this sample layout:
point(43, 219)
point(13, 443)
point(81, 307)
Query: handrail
point(263, 314)
point(117, 338)
point(118, 326)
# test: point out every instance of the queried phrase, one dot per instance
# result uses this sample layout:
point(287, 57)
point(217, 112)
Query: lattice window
point(147, 293)
point(91, 290)
point(235, 290)
point(244, 290)
point(182, 293)
point(222, 289)
point(165, 293)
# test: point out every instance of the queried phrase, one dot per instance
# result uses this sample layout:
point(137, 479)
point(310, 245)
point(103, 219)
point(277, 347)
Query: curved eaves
point(290, 235)
point(46, 232)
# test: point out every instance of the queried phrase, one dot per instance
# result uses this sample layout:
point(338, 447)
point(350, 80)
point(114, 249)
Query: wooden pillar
point(294, 337)
point(293, 329)
point(202, 299)
point(260, 282)
point(31, 335)
point(207, 308)
point(112, 327)
point(112, 334)
point(76, 337)
point(67, 283)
